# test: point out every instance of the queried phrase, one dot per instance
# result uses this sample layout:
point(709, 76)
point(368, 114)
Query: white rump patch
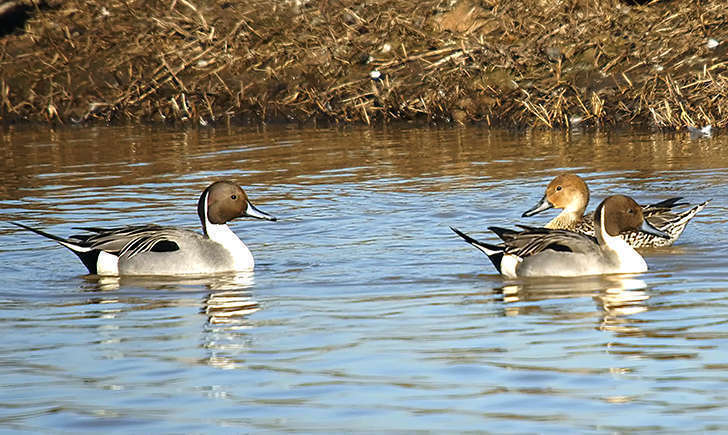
point(509, 264)
point(107, 264)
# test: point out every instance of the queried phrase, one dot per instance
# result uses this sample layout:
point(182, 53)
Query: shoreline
point(512, 65)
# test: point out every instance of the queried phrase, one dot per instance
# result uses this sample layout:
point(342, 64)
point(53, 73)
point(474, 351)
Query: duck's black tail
point(494, 252)
point(88, 256)
point(61, 240)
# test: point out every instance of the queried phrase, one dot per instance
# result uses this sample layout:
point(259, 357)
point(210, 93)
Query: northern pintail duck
point(570, 193)
point(159, 250)
point(553, 252)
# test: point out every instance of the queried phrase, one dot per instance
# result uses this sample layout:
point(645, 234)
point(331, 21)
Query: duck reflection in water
point(226, 305)
point(227, 309)
point(617, 296)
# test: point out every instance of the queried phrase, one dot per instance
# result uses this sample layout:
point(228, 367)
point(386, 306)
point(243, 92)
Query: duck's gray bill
point(544, 204)
point(251, 211)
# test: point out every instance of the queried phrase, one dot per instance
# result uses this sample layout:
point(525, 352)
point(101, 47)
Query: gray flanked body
point(579, 265)
point(158, 250)
point(583, 258)
point(194, 254)
point(570, 193)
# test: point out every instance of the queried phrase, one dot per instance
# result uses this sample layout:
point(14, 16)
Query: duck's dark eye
point(558, 188)
point(233, 196)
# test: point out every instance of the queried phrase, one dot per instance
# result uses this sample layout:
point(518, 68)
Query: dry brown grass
point(550, 64)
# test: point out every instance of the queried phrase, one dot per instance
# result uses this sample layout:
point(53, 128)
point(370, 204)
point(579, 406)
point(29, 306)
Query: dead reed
point(531, 63)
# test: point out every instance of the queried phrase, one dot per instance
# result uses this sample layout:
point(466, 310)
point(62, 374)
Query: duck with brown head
point(539, 252)
point(570, 193)
point(170, 251)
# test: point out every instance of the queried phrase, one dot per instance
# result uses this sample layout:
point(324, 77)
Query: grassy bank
point(551, 64)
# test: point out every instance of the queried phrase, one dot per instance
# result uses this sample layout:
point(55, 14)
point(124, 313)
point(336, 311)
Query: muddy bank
point(539, 63)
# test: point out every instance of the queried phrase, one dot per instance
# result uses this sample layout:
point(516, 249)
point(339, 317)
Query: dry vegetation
point(543, 63)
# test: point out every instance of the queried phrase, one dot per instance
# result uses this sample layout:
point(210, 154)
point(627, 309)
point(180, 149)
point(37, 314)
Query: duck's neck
point(618, 251)
point(223, 235)
point(566, 220)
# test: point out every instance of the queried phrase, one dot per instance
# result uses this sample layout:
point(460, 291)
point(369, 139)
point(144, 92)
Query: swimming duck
point(161, 250)
point(554, 252)
point(570, 193)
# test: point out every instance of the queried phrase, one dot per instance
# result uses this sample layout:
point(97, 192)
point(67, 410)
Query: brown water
point(364, 311)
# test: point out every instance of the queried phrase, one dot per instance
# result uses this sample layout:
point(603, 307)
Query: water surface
point(364, 312)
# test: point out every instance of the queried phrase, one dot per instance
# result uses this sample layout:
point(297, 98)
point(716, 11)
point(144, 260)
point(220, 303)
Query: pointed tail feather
point(693, 211)
point(677, 224)
point(683, 219)
point(60, 240)
point(494, 252)
point(87, 255)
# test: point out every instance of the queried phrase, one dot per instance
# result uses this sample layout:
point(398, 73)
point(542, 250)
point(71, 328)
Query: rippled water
point(364, 312)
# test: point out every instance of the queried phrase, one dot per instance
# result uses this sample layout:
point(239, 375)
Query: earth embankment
point(552, 64)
